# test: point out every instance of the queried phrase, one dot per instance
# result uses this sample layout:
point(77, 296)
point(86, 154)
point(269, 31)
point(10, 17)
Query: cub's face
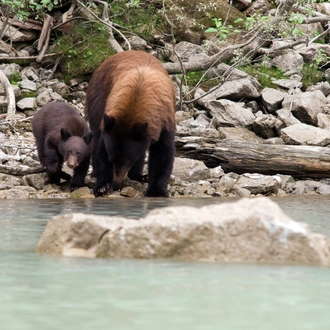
point(74, 149)
point(125, 148)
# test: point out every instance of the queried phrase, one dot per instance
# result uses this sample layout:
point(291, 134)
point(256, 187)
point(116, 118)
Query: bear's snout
point(119, 174)
point(72, 162)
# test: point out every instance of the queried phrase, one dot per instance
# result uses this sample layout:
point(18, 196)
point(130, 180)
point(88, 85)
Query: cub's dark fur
point(62, 135)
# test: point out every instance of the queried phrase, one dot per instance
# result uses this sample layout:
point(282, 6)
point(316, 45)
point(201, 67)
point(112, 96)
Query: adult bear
point(130, 105)
point(62, 135)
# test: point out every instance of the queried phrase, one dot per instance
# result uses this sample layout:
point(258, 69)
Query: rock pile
point(267, 116)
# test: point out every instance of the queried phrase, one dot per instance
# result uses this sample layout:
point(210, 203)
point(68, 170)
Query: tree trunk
point(243, 157)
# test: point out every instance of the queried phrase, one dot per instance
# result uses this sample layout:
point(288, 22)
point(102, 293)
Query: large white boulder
point(249, 230)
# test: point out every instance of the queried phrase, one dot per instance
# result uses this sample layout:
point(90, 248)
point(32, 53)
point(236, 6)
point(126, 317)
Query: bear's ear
point(109, 122)
point(65, 134)
point(139, 130)
point(88, 138)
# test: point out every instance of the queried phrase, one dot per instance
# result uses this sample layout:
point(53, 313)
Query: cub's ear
point(65, 134)
point(109, 122)
point(88, 137)
point(139, 130)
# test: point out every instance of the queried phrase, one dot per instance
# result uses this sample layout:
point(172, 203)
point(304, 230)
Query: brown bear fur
point(62, 135)
point(130, 105)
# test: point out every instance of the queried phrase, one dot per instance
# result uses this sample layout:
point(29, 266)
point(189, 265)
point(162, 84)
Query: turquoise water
point(45, 292)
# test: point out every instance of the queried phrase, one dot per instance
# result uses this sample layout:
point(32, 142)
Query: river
point(46, 292)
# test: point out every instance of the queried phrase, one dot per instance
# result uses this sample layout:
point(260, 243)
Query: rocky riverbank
point(216, 117)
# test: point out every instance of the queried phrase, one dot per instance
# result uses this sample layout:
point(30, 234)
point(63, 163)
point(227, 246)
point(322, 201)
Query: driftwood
point(45, 36)
point(21, 171)
point(244, 157)
point(11, 109)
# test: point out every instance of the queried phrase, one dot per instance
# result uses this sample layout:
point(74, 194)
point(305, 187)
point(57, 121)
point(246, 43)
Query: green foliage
point(137, 16)
point(264, 73)
point(193, 78)
point(311, 75)
point(14, 78)
point(221, 29)
point(83, 50)
point(22, 8)
point(25, 94)
point(321, 59)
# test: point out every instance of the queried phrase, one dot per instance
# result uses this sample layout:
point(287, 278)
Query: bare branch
point(11, 109)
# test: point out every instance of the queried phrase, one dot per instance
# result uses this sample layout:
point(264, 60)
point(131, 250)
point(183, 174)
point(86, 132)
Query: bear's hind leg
point(161, 158)
point(52, 161)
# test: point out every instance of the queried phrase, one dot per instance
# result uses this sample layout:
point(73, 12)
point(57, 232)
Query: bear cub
point(62, 135)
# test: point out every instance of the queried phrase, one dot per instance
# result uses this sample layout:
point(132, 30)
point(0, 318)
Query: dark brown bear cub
point(130, 106)
point(62, 135)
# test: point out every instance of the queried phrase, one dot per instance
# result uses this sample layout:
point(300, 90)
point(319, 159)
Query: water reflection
point(46, 292)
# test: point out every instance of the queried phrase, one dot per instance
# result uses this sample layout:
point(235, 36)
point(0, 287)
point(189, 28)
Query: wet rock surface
point(249, 230)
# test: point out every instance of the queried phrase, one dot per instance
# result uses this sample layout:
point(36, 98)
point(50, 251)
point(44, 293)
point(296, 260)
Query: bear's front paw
point(157, 193)
point(102, 190)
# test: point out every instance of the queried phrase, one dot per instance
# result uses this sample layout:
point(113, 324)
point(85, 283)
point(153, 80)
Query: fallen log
point(21, 171)
point(245, 157)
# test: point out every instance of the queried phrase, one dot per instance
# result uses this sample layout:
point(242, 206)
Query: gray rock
point(19, 192)
point(190, 169)
point(288, 84)
point(181, 116)
point(43, 98)
point(291, 61)
point(18, 35)
point(312, 51)
point(28, 85)
point(250, 230)
point(306, 135)
point(9, 181)
point(196, 127)
point(136, 43)
point(37, 181)
point(28, 103)
point(29, 73)
point(228, 113)
point(323, 121)
point(61, 88)
point(323, 86)
point(9, 69)
point(223, 69)
point(238, 134)
point(257, 183)
point(272, 99)
point(187, 51)
point(286, 116)
point(235, 90)
point(267, 126)
point(306, 106)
